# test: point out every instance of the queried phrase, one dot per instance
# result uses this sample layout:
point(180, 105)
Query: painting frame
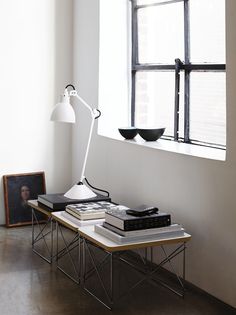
point(18, 189)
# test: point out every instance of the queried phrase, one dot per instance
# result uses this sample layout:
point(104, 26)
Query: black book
point(173, 228)
point(57, 202)
point(127, 222)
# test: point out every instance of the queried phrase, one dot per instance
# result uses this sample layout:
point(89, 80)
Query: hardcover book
point(127, 222)
point(166, 229)
point(58, 202)
point(78, 222)
point(133, 239)
point(92, 210)
point(89, 216)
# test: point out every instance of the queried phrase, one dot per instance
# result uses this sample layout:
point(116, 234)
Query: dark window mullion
point(153, 67)
point(186, 72)
point(178, 64)
point(205, 67)
point(132, 118)
point(188, 67)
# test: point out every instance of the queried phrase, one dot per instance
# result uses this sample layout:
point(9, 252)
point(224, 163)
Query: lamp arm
point(86, 152)
point(74, 93)
point(94, 113)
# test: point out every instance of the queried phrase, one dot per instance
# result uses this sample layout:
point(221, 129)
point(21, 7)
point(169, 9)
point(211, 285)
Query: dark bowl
point(128, 132)
point(151, 134)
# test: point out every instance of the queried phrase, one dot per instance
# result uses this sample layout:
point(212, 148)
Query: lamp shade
point(80, 192)
point(63, 112)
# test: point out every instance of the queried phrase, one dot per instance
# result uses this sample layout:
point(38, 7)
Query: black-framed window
point(178, 69)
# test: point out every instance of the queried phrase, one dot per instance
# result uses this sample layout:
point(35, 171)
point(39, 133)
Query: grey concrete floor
point(30, 286)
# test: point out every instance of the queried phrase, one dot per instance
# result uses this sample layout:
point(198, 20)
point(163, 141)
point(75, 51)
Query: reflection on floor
point(30, 286)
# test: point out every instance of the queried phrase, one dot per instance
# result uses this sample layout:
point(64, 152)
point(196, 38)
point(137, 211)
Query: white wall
point(85, 74)
point(36, 64)
point(200, 193)
point(115, 66)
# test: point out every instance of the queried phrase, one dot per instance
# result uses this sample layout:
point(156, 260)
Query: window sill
point(171, 146)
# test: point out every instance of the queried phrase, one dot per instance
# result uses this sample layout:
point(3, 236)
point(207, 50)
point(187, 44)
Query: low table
point(45, 230)
point(46, 234)
point(69, 246)
point(112, 251)
point(85, 240)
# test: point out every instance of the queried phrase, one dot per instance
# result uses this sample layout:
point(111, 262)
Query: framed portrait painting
point(18, 189)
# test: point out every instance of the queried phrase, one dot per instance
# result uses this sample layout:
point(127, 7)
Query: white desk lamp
point(64, 112)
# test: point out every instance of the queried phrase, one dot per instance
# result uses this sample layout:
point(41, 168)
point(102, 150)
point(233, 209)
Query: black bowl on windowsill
point(128, 132)
point(151, 134)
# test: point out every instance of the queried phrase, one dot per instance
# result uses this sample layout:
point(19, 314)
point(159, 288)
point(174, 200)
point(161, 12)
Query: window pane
point(207, 38)
point(208, 110)
point(155, 100)
point(161, 33)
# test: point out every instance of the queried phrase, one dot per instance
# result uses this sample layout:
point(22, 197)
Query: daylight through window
point(178, 69)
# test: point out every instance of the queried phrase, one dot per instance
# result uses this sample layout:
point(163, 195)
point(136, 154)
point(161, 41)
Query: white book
point(87, 216)
point(91, 210)
point(81, 222)
point(132, 239)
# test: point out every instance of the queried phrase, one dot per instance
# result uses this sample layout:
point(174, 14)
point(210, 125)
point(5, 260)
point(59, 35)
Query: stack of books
point(89, 213)
point(121, 227)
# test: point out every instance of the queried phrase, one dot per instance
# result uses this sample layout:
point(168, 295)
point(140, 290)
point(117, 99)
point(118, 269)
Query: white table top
point(72, 222)
point(58, 216)
point(88, 233)
point(107, 244)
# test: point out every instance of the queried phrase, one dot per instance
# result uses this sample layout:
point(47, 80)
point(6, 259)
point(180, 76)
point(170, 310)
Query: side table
point(44, 233)
point(113, 251)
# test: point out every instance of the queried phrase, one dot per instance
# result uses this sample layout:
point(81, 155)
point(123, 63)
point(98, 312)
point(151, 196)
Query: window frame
point(186, 66)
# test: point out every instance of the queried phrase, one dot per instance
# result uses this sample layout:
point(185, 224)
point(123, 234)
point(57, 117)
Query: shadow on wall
point(62, 167)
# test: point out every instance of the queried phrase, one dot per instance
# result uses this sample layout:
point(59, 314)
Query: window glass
point(161, 33)
point(155, 93)
point(208, 110)
point(161, 38)
point(207, 38)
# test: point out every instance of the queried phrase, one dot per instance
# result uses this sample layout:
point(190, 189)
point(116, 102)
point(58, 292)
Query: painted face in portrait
point(25, 193)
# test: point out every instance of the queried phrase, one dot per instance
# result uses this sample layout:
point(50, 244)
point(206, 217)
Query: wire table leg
point(66, 251)
point(111, 280)
point(41, 236)
point(148, 272)
point(32, 212)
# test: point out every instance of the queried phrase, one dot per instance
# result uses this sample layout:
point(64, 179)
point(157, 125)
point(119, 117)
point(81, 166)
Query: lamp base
point(80, 192)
